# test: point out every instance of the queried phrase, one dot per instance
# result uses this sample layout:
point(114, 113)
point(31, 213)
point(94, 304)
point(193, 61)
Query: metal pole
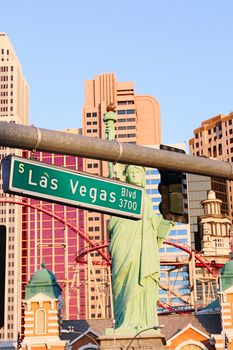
point(30, 137)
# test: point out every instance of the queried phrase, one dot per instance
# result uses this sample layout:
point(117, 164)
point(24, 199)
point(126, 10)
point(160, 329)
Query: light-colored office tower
point(138, 116)
point(138, 121)
point(14, 108)
point(214, 139)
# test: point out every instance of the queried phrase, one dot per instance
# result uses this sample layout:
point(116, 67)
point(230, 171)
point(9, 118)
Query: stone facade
point(42, 315)
point(216, 230)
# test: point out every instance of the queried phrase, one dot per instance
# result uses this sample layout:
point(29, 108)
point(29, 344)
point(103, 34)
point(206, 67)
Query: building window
point(214, 152)
point(40, 322)
point(220, 149)
point(131, 127)
point(191, 346)
point(130, 111)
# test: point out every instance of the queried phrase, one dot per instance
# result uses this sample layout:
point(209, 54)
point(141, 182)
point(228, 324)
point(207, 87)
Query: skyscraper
point(198, 187)
point(138, 118)
point(138, 122)
point(214, 139)
point(14, 108)
point(138, 115)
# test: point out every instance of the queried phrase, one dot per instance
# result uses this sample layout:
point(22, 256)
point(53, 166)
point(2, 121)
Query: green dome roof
point(43, 276)
point(227, 275)
point(228, 268)
point(43, 281)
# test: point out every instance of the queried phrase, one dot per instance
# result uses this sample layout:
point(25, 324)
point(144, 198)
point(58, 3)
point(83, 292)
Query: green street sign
point(31, 178)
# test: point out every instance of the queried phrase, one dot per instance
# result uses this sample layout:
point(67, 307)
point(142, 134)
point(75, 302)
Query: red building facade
point(50, 234)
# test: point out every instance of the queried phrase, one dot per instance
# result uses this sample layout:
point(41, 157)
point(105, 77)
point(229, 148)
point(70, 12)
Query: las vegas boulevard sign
point(31, 178)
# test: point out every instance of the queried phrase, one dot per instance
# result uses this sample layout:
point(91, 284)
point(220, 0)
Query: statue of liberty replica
point(134, 249)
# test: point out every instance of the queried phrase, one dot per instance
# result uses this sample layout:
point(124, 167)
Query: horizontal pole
point(31, 137)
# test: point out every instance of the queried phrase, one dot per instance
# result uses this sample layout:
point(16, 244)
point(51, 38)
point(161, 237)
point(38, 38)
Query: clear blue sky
point(179, 51)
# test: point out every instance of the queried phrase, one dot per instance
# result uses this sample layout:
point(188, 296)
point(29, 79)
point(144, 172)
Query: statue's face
point(135, 177)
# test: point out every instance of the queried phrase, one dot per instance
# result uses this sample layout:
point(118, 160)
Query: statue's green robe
point(134, 248)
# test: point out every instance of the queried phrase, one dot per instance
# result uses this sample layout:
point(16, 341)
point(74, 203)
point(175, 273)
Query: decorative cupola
point(212, 205)
point(42, 312)
point(215, 228)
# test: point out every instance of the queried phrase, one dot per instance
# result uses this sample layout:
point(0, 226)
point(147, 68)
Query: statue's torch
point(109, 121)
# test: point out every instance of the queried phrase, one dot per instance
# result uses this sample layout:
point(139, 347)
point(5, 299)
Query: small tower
point(42, 312)
point(225, 339)
point(215, 230)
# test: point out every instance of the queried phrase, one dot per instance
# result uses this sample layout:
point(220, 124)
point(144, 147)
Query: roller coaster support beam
point(31, 137)
point(192, 280)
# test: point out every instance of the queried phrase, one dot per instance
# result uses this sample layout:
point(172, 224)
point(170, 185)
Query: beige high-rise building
point(14, 108)
point(138, 122)
point(214, 139)
point(138, 115)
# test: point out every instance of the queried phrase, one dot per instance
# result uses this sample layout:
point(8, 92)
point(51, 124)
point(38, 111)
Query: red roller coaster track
point(202, 261)
point(99, 247)
point(62, 220)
